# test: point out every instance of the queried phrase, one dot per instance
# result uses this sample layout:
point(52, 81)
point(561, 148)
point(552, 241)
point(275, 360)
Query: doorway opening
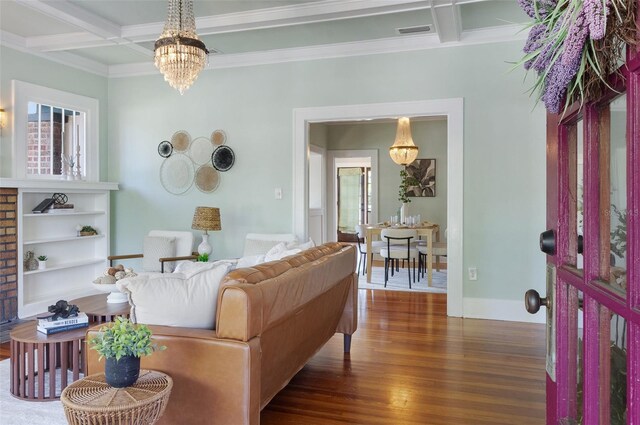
point(353, 186)
point(453, 110)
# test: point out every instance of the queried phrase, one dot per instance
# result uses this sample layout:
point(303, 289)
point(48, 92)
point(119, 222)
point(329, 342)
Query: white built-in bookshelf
point(73, 261)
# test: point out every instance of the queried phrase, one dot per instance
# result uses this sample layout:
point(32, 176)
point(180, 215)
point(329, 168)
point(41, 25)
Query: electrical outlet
point(473, 273)
point(278, 193)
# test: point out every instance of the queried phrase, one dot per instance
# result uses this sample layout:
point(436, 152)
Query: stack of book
point(48, 326)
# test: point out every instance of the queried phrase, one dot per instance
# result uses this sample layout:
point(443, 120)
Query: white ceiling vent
point(414, 30)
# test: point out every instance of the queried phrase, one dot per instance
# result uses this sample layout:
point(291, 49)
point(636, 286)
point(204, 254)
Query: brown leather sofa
point(271, 319)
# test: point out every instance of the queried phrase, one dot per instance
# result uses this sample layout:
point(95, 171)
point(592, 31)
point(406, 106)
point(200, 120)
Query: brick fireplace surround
point(8, 254)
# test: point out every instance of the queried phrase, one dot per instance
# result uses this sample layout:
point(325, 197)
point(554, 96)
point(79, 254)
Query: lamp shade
point(206, 218)
point(403, 151)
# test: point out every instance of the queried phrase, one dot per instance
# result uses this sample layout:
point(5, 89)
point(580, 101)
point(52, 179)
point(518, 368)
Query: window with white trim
point(56, 134)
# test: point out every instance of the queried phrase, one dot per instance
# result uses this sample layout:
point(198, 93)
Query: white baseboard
point(493, 309)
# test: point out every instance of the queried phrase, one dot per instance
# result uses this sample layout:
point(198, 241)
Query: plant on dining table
point(405, 181)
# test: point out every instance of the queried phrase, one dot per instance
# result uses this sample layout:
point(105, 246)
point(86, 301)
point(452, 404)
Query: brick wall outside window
point(8, 254)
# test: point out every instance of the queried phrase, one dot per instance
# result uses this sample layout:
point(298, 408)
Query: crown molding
point(340, 50)
point(20, 44)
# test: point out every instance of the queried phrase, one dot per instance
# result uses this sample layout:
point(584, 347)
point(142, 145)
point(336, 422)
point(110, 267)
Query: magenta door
point(593, 258)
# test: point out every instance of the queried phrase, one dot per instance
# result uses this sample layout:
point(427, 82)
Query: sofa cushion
point(156, 247)
point(187, 298)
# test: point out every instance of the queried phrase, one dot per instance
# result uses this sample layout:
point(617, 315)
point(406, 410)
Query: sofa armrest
point(215, 381)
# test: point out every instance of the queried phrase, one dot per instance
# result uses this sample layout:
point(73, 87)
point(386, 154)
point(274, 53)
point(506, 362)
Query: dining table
point(426, 230)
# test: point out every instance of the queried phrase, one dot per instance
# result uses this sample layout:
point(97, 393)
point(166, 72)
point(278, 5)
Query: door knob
point(548, 242)
point(532, 301)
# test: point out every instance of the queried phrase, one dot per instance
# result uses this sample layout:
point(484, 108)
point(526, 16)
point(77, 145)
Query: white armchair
point(161, 249)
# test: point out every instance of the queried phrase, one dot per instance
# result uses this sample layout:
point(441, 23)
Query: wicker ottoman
point(92, 401)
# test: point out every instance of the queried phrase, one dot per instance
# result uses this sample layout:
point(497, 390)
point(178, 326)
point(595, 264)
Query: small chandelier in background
point(403, 151)
point(179, 53)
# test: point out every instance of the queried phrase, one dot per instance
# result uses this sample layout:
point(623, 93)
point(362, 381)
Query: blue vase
point(122, 373)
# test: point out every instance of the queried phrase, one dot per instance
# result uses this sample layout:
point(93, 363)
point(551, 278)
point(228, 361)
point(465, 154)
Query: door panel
point(593, 191)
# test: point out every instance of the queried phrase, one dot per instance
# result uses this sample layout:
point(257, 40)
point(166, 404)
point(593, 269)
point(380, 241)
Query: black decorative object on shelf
point(223, 158)
point(43, 206)
point(60, 198)
point(63, 309)
point(165, 149)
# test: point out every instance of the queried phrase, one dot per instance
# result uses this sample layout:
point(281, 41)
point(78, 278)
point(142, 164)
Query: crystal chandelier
point(179, 53)
point(403, 151)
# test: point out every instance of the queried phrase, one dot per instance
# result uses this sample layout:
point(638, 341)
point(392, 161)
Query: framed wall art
point(422, 178)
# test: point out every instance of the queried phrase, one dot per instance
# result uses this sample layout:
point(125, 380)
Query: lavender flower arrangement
point(562, 45)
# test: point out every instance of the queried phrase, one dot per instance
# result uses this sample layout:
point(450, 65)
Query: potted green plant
point(204, 258)
point(88, 231)
point(405, 181)
point(122, 343)
point(42, 262)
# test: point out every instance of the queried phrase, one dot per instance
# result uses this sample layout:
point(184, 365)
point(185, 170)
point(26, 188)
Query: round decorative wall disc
point(180, 141)
point(176, 174)
point(201, 150)
point(218, 137)
point(207, 179)
point(165, 149)
point(223, 158)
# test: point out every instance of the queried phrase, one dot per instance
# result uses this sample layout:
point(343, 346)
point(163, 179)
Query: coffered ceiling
point(115, 37)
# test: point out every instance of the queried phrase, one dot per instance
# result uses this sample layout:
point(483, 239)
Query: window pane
point(580, 188)
point(55, 141)
point(348, 199)
point(613, 135)
point(614, 378)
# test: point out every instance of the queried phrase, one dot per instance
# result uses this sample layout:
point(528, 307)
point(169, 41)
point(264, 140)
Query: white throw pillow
point(279, 251)
point(156, 247)
point(249, 261)
point(303, 246)
point(184, 299)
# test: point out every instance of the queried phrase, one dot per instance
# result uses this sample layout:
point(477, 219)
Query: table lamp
point(206, 218)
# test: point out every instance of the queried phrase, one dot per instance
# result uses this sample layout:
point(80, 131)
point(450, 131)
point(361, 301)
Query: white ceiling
point(115, 37)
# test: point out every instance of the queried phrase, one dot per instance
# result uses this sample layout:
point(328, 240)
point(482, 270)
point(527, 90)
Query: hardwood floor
point(410, 364)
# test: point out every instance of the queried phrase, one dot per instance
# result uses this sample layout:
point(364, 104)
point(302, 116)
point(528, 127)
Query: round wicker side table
point(92, 401)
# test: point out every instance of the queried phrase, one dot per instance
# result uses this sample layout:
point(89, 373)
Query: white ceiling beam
point(75, 15)
point(99, 31)
point(327, 10)
point(447, 20)
point(418, 42)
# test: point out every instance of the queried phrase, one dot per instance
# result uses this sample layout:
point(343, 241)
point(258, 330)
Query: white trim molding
point(22, 94)
point(495, 309)
point(453, 109)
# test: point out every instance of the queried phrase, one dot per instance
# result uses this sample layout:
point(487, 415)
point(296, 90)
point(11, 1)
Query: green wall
point(504, 145)
point(15, 65)
point(430, 137)
point(504, 157)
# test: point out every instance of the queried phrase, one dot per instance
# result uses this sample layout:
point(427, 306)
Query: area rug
point(19, 412)
point(400, 282)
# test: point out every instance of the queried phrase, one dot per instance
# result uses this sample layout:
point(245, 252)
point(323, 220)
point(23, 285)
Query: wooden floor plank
point(410, 364)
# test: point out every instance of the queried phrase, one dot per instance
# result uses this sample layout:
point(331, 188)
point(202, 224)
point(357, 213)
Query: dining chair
point(438, 249)
point(376, 246)
point(399, 246)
